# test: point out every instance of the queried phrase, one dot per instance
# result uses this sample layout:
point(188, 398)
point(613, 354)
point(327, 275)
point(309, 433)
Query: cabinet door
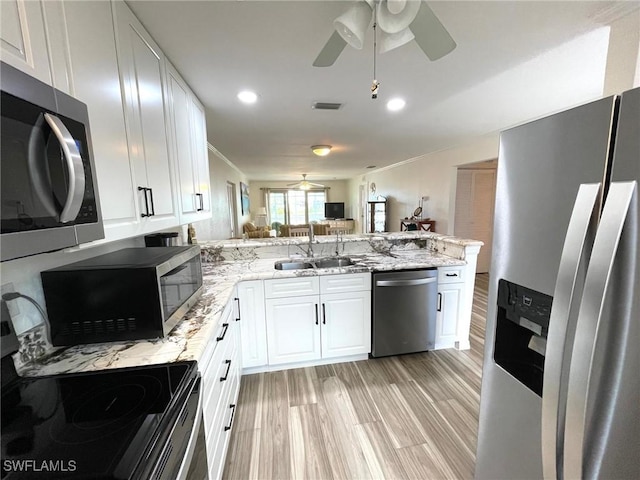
point(96, 82)
point(143, 81)
point(22, 38)
point(200, 159)
point(346, 324)
point(181, 141)
point(449, 297)
point(293, 329)
point(253, 330)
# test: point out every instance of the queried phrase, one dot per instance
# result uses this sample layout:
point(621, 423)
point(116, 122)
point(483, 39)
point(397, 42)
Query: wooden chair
point(299, 232)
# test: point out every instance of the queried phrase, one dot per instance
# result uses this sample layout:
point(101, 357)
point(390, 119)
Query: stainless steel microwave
point(49, 191)
point(129, 294)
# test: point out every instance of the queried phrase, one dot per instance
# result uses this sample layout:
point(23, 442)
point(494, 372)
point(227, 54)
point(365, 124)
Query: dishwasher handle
point(405, 283)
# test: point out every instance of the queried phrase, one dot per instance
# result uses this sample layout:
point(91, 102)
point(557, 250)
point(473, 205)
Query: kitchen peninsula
point(230, 262)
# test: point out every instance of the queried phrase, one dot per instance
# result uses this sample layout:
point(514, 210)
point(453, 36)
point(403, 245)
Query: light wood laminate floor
point(405, 417)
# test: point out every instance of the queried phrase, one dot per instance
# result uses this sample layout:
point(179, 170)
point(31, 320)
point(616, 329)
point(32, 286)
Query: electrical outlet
point(14, 310)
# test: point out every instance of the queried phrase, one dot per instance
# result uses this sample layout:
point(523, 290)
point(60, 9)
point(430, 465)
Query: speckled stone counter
point(229, 262)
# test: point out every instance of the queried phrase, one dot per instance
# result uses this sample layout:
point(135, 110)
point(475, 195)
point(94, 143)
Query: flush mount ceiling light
point(247, 96)
point(321, 150)
point(395, 104)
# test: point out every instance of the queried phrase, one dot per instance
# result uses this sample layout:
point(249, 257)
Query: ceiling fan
point(399, 21)
point(305, 184)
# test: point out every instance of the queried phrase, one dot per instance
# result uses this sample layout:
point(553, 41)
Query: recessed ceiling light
point(247, 96)
point(395, 104)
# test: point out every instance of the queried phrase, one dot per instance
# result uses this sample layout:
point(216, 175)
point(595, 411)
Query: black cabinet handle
point(146, 201)
point(201, 198)
point(152, 212)
point(324, 315)
point(225, 327)
point(233, 413)
point(316, 314)
point(153, 207)
point(238, 300)
point(439, 302)
point(226, 375)
point(451, 274)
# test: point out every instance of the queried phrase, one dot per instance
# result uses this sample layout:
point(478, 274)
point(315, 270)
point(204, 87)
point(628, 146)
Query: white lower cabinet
point(220, 367)
point(346, 324)
point(293, 329)
point(253, 330)
point(450, 290)
point(317, 325)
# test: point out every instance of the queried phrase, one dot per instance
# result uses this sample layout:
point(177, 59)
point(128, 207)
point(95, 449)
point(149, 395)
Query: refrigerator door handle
point(616, 238)
point(562, 322)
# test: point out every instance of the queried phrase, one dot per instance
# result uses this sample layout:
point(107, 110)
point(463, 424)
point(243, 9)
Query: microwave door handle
point(75, 193)
point(38, 169)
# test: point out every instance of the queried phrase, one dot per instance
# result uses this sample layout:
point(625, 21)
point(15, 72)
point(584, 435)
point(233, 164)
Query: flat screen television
point(334, 210)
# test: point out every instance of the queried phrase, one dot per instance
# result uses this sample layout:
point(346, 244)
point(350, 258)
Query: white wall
point(623, 56)
point(221, 171)
point(431, 175)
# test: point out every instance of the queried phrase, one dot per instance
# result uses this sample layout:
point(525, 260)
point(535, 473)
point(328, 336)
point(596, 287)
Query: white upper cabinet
point(22, 38)
point(143, 82)
point(147, 127)
point(200, 160)
point(188, 148)
point(95, 81)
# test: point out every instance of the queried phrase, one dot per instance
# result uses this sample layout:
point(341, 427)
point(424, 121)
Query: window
point(296, 206)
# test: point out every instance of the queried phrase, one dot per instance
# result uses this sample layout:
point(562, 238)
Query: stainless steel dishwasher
point(404, 312)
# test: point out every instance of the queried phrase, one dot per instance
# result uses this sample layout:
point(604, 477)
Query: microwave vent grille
point(98, 327)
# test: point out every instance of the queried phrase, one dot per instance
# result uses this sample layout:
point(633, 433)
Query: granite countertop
point(189, 338)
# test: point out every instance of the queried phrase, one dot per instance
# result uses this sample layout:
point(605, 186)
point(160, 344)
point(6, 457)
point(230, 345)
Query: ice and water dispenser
point(521, 333)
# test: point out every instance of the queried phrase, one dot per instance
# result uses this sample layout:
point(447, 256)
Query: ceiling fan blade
point(431, 36)
point(331, 51)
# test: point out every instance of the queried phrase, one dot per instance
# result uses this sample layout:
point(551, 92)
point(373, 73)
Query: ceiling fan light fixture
point(392, 22)
point(321, 150)
point(389, 41)
point(352, 25)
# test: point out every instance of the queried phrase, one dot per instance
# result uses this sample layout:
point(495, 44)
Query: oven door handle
point(75, 168)
point(193, 438)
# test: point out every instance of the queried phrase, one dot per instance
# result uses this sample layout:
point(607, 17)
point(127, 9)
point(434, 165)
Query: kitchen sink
point(292, 265)
point(327, 262)
point(332, 262)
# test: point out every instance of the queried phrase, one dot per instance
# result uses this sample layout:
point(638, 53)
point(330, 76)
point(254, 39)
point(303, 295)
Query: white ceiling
point(514, 61)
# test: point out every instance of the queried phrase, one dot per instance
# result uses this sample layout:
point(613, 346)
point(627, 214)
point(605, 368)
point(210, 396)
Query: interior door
point(475, 198)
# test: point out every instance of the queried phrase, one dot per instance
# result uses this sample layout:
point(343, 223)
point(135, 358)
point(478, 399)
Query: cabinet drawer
point(291, 287)
point(222, 366)
point(354, 282)
point(451, 274)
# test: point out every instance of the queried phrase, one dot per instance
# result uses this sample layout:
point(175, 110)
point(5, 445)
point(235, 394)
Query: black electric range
point(129, 423)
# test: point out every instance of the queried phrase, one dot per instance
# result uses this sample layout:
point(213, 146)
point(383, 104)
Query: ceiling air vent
point(326, 106)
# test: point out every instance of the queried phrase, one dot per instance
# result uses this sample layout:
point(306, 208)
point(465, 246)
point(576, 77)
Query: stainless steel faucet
point(338, 243)
point(311, 237)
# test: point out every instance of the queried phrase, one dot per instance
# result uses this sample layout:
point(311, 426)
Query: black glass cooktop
point(95, 425)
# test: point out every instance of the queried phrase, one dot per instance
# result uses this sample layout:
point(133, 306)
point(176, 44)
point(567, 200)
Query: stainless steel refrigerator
point(561, 378)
